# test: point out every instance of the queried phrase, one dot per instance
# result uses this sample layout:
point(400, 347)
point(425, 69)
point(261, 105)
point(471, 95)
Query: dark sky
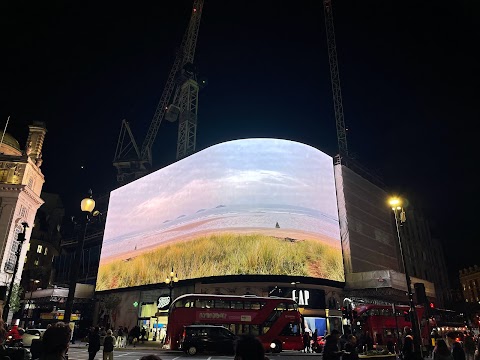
point(409, 73)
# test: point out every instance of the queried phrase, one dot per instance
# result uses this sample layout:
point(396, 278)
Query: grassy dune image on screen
point(252, 206)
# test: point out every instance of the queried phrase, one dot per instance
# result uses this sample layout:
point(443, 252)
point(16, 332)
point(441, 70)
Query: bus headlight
point(273, 345)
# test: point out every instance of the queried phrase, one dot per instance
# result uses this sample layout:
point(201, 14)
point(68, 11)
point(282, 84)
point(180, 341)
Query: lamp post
point(400, 218)
point(170, 281)
point(87, 205)
point(21, 239)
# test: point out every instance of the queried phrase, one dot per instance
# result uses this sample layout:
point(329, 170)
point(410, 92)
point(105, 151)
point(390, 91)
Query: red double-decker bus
point(275, 321)
point(385, 322)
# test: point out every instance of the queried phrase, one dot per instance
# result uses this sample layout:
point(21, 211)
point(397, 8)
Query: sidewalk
point(148, 345)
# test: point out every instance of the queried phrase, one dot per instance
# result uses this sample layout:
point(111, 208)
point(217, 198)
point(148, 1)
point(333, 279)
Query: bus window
point(189, 303)
point(222, 304)
point(281, 306)
point(180, 303)
point(292, 307)
point(290, 329)
point(204, 304)
point(236, 305)
point(264, 329)
point(255, 330)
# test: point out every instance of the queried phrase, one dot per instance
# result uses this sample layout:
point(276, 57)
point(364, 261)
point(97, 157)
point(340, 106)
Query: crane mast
point(335, 78)
point(133, 162)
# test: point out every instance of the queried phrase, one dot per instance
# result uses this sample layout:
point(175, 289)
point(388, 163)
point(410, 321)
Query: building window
point(28, 246)
point(23, 212)
point(36, 262)
point(39, 249)
point(30, 182)
point(12, 257)
point(46, 251)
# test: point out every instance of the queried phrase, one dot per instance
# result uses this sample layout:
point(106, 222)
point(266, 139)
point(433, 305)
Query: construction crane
point(179, 101)
point(335, 78)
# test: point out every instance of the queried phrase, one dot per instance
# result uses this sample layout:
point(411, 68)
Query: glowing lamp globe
point(395, 203)
point(87, 205)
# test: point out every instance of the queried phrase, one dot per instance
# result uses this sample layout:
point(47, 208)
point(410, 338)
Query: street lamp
point(396, 204)
point(87, 205)
point(21, 239)
point(170, 281)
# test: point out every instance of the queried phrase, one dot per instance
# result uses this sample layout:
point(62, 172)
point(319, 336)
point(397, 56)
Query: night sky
point(409, 73)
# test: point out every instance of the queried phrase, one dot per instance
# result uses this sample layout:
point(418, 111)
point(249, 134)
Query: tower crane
point(179, 101)
point(335, 78)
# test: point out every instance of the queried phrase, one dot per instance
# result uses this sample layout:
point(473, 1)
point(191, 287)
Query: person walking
point(330, 349)
point(469, 346)
point(248, 347)
point(455, 346)
point(93, 342)
point(441, 351)
point(306, 342)
point(108, 345)
point(118, 343)
point(350, 348)
point(408, 346)
point(55, 342)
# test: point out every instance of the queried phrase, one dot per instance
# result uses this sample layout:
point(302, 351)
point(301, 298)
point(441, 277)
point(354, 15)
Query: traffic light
point(345, 313)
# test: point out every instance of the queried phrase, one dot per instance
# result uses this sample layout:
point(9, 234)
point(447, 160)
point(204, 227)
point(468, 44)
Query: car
point(207, 338)
point(31, 334)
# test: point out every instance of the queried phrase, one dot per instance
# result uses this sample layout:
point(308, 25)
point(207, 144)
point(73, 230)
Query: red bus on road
point(382, 322)
point(275, 321)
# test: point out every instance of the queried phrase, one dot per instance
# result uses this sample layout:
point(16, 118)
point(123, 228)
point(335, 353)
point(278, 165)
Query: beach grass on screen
point(225, 254)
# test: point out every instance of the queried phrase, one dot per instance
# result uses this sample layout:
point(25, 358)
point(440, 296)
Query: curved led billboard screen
point(252, 206)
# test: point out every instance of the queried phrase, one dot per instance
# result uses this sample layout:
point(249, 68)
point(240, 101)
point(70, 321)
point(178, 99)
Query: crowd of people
point(57, 338)
point(453, 346)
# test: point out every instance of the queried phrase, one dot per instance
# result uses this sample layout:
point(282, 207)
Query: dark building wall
point(368, 241)
point(424, 255)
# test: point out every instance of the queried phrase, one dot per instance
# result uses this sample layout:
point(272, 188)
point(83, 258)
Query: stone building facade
point(21, 182)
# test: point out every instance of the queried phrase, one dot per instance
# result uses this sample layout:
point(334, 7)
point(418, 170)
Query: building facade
point(372, 269)
point(21, 182)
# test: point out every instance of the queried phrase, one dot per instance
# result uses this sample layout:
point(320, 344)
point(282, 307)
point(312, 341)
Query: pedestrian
point(124, 337)
point(469, 346)
point(350, 348)
point(455, 346)
point(408, 347)
point(330, 349)
point(314, 341)
point(3, 332)
point(55, 342)
point(248, 347)
point(108, 345)
point(306, 342)
point(93, 342)
point(143, 333)
point(441, 351)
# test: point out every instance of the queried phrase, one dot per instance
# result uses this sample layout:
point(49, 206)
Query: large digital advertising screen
point(251, 206)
